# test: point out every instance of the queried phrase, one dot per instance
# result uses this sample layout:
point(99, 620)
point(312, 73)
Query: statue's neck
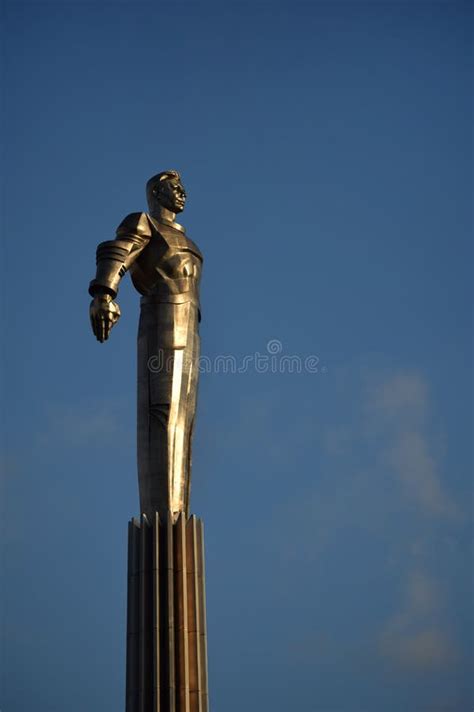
point(163, 215)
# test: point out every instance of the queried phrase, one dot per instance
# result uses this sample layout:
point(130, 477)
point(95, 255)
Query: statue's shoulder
point(136, 224)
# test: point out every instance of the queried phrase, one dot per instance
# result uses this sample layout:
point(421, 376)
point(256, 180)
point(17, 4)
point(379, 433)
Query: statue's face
point(172, 195)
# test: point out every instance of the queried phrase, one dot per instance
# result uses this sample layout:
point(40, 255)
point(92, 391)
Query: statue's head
point(165, 189)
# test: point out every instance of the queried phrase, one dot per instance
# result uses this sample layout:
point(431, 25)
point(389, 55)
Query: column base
point(166, 616)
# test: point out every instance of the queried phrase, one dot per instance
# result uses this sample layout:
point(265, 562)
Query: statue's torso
point(169, 266)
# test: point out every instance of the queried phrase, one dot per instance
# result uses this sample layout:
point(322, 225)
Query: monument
point(166, 617)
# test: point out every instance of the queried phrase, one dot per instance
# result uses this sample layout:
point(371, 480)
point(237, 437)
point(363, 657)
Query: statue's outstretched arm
point(114, 258)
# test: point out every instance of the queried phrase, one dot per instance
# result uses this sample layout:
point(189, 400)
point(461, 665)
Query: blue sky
point(326, 149)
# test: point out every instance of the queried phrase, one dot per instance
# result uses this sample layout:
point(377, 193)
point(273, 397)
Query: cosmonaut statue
point(165, 267)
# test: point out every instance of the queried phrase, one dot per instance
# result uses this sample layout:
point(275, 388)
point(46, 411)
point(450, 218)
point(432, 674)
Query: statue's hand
point(104, 314)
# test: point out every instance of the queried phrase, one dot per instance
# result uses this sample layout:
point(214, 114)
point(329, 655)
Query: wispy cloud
point(418, 472)
point(423, 649)
point(380, 464)
point(399, 396)
point(382, 481)
point(397, 415)
point(415, 637)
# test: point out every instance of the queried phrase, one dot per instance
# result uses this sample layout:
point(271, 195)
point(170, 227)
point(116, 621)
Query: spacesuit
point(165, 267)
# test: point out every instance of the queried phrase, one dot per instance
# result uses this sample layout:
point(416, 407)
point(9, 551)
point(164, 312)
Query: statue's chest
point(177, 264)
point(173, 254)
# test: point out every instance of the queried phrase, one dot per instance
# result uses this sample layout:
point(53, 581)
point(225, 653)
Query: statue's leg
point(167, 382)
point(190, 413)
point(154, 382)
point(182, 413)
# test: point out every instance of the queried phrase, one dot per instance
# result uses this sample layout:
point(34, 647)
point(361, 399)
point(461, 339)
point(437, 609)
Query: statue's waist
point(183, 298)
point(168, 290)
point(162, 294)
point(172, 311)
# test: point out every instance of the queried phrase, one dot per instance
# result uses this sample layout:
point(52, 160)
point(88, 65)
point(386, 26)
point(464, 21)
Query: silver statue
point(165, 267)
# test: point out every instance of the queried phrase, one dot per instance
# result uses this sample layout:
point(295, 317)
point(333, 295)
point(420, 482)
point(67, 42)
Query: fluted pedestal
point(166, 624)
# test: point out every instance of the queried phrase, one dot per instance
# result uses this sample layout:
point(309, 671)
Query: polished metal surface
point(165, 268)
point(166, 629)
